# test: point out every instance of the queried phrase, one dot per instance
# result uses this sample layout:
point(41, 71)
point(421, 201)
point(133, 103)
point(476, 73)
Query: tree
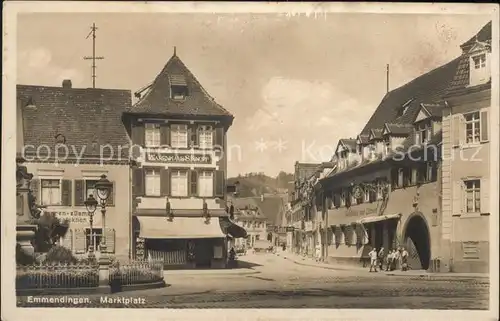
point(50, 230)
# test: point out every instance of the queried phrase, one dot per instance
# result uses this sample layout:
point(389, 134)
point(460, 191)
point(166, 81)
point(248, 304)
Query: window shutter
point(193, 183)
point(458, 198)
point(193, 131)
point(68, 240)
point(219, 137)
point(165, 182)
point(138, 182)
point(484, 125)
point(219, 184)
point(485, 195)
point(80, 192)
point(66, 192)
point(35, 189)
point(111, 198)
point(80, 241)
point(455, 134)
point(164, 135)
point(110, 240)
point(138, 134)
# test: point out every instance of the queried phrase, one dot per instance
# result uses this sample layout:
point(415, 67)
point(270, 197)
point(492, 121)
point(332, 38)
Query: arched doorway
point(417, 242)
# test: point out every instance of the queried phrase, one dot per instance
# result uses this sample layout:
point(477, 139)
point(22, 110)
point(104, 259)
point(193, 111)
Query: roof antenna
point(175, 51)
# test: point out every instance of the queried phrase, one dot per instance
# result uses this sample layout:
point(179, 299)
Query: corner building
point(72, 136)
point(179, 183)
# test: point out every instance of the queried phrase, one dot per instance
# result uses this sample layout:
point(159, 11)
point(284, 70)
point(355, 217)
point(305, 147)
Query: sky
point(295, 85)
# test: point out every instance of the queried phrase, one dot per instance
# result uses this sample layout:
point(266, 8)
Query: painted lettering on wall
point(71, 216)
point(178, 158)
point(367, 211)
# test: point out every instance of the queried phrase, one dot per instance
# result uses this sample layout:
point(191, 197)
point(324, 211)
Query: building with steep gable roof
point(179, 136)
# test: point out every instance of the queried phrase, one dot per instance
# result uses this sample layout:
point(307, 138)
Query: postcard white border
point(12, 8)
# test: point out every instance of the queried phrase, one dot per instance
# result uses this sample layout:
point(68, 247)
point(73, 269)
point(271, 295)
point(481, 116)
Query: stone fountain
point(26, 209)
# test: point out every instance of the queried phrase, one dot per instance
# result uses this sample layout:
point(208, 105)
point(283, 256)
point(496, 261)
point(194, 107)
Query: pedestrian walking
point(404, 260)
point(373, 259)
point(381, 257)
point(390, 259)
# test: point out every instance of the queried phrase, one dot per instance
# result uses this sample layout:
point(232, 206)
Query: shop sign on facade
point(358, 213)
point(184, 158)
point(72, 216)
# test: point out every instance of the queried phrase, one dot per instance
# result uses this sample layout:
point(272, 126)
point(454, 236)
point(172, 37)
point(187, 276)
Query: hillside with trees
point(255, 184)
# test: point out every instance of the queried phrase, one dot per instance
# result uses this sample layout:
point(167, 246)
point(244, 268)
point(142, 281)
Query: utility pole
point(93, 57)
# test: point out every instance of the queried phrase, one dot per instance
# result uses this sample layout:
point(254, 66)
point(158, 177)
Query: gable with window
point(423, 132)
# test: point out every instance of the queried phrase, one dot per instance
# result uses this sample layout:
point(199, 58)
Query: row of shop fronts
point(164, 156)
point(409, 179)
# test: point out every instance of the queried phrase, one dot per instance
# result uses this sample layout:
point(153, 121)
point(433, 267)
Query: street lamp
point(103, 187)
point(91, 205)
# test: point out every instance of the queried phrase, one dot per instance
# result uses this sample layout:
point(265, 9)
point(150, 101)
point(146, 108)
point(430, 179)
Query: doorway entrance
point(417, 243)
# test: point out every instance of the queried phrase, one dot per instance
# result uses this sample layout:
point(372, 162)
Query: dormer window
point(423, 133)
point(178, 92)
point(479, 61)
point(178, 87)
point(479, 69)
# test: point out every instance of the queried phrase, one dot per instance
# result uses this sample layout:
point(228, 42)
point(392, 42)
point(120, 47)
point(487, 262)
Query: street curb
point(428, 276)
point(212, 274)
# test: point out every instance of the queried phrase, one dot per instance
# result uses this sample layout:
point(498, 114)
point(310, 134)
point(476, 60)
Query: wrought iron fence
point(46, 276)
point(169, 257)
point(137, 272)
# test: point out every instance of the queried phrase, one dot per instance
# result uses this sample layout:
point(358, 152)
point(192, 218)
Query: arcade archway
point(417, 242)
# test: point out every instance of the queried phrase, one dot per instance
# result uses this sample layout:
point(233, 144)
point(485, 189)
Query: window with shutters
point(472, 128)
point(93, 238)
point(51, 192)
point(179, 183)
point(206, 184)
point(206, 136)
point(473, 196)
point(179, 136)
point(152, 135)
point(152, 180)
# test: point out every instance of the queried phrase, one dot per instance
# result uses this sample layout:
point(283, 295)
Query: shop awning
point(179, 228)
point(231, 228)
point(373, 219)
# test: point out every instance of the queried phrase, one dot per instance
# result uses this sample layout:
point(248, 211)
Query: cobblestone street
point(278, 283)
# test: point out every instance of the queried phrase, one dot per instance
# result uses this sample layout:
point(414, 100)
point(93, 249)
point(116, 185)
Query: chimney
point(66, 84)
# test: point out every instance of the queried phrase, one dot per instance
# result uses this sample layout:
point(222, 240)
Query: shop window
point(205, 136)
point(206, 184)
point(51, 191)
point(473, 196)
point(152, 181)
point(152, 135)
point(472, 127)
point(93, 238)
point(179, 135)
point(179, 183)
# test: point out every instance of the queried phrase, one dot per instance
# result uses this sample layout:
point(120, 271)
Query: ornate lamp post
point(91, 205)
point(103, 188)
